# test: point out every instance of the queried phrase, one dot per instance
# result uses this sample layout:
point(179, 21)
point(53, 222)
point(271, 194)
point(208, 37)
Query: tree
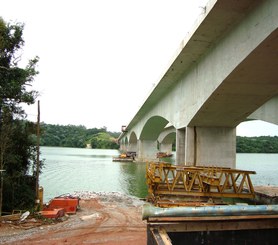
point(76, 136)
point(15, 83)
point(103, 140)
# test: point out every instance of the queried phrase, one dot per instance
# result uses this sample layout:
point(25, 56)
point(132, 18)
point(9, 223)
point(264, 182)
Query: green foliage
point(77, 136)
point(17, 152)
point(103, 140)
point(15, 81)
point(262, 144)
point(19, 179)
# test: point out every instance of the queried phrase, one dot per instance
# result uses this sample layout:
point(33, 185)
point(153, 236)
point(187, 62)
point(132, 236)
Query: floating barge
point(122, 159)
point(125, 157)
point(205, 205)
point(163, 154)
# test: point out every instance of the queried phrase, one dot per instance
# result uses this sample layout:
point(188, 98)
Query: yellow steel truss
point(167, 180)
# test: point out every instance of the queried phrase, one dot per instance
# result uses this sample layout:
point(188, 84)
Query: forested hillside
point(100, 138)
point(78, 136)
point(262, 144)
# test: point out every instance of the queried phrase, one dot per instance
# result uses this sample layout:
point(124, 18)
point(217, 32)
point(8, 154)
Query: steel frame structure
point(166, 180)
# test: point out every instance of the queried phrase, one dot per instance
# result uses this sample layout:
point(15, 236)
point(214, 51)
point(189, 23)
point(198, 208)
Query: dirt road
point(109, 218)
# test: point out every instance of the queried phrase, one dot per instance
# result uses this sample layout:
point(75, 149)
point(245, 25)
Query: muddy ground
point(103, 218)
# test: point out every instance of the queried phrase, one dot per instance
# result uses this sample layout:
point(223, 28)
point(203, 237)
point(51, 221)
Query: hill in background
point(100, 138)
point(78, 136)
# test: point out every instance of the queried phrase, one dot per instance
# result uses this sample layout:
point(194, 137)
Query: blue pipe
point(218, 210)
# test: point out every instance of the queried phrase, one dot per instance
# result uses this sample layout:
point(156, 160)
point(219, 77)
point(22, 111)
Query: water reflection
point(133, 179)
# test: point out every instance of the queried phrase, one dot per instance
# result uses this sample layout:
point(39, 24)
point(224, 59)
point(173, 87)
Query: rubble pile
point(117, 197)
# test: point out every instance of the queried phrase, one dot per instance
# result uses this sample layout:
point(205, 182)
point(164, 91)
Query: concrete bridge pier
point(180, 146)
point(123, 147)
point(132, 147)
point(206, 146)
point(147, 150)
point(165, 147)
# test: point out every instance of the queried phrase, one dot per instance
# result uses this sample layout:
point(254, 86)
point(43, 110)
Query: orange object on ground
point(70, 204)
point(53, 214)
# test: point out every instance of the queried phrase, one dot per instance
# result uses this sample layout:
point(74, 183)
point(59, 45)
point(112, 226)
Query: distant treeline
point(100, 138)
point(262, 144)
point(78, 136)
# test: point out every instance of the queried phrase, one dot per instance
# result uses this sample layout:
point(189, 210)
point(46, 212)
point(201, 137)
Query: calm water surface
point(72, 169)
point(265, 165)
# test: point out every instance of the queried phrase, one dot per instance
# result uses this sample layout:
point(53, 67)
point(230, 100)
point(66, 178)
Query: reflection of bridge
point(224, 73)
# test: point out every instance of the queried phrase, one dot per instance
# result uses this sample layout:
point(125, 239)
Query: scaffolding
point(176, 185)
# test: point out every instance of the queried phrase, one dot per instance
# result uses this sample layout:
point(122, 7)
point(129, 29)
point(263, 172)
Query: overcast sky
point(99, 60)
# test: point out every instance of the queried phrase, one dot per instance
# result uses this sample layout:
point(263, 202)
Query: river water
point(73, 169)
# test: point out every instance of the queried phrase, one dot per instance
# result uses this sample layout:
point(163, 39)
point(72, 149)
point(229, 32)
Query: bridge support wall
point(210, 146)
point(190, 146)
point(123, 147)
point(164, 147)
point(147, 150)
point(267, 112)
point(132, 147)
point(180, 146)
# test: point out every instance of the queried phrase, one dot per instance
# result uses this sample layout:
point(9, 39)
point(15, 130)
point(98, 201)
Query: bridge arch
point(166, 139)
point(132, 145)
point(148, 140)
point(153, 127)
point(257, 127)
point(124, 144)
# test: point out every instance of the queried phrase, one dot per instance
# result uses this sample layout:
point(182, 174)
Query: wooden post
point(38, 154)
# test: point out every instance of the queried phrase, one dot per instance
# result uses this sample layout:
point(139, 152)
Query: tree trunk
point(1, 192)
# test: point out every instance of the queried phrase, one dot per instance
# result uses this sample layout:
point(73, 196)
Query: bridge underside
point(224, 73)
point(253, 82)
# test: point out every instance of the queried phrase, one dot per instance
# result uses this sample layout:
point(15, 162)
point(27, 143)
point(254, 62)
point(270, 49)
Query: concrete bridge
point(224, 72)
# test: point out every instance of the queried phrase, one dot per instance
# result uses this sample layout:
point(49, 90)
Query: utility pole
point(1, 189)
point(38, 154)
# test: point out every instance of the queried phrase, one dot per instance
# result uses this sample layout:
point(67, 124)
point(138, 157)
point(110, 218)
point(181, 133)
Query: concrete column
point(132, 147)
point(122, 146)
point(190, 146)
point(147, 150)
point(164, 147)
point(180, 146)
point(211, 146)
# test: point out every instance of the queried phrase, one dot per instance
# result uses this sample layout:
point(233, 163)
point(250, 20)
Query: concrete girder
point(267, 112)
point(250, 85)
point(224, 71)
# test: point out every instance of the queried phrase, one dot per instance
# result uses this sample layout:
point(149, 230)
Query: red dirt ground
point(99, 221)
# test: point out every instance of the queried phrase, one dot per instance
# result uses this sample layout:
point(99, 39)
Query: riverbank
point(103, 218)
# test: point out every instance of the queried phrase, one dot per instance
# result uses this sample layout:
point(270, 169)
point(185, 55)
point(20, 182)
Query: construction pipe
point(217, 210)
